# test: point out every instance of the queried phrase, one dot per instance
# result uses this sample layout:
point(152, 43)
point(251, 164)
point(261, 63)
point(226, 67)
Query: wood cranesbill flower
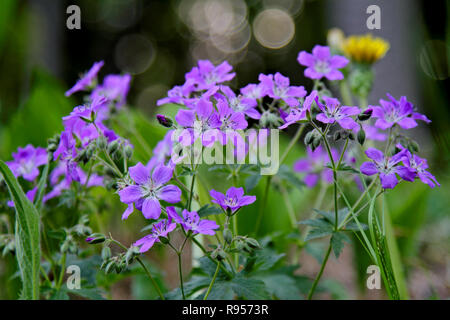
point(191, 222)
point(386, 167)
point(393, 112)
point(314, 166)
point(299, 113)
point(149, 190)
point(322, 64)
point(232, 200)
point(242, 104)
point(159, 230)
point(27, 161)
point(205, 75)
point(278, 87)
point(114, 88)
point(419, 166)
point(333, 112)
point(86, 80)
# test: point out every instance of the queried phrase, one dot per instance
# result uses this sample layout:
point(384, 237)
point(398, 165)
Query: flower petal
point(161, 175)
point(170, 193)
point(151, 209)
point(130, 194)
point(139, 173)
point(368, 168)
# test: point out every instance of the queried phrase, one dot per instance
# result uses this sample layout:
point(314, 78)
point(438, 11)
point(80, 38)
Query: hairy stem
point(212, 281)
point(319, 275)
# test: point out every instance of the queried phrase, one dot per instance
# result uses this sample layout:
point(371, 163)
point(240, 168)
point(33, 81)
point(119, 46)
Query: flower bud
point(361, 136)
point(102, 142)
point(252, 243)
point(228, 236)
point(351, 135)
point(164, 120)
point(219, 254)
point(413, 146)
point(106, 253)
point(164, 240)
point(365, 115)
point(113, 146)
point(309, 137)
point(96, 238)
point(337, 135)
point(128, 152)
point(316, 142)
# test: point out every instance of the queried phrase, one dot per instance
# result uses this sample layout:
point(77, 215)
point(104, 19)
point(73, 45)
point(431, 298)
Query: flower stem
point(151, 278)
point(191, 193)
point(212, 281)
point(143, 267)
point(263, 205)
point(319, 275)
point(181, 275)
point(293, 141)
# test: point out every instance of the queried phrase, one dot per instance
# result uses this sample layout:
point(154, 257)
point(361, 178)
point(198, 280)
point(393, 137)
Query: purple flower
point(387, 168)
point(233, 200)
point(191, 222)
point(27, 161)
point(87, 80)
point(253, 91)
point(298, 114)
point(322, 64)
point(206, 75)
point(241, 104)
point(314, 166)
point(60, 181)
point(203, 118)
point(159, 229)
point(162, 151)
point(333, 112)
point(114, 88)
point(419, 166)
point(399, 112)
point(31, 194)
point(277, 87)
point(149, 190)
point(178, 94)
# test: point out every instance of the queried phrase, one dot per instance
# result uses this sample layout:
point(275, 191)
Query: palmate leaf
point(27, 236)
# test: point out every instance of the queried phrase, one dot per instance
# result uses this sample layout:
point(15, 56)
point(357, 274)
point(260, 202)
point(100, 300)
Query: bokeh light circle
point(134, 54)
point(273, 28)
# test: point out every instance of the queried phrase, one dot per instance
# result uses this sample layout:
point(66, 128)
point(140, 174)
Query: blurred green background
point(159, 41)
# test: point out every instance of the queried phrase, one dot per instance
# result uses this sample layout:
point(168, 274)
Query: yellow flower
point(365, 49)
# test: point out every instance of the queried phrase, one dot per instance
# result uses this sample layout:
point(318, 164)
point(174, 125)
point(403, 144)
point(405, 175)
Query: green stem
point(61, 274)
point(181, 275)
point(345, 93)
point(206, 254)
point(151, 278)
point(319, 275)
point(263, 205)
point(293, 141)
point(212, 281)
point(191, 193)
point(143, 267)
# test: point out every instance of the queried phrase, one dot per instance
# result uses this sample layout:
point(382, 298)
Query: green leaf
point(251, 289)
point(285, 173)
point(281, 286)
point(251, 182)
point(337, 242)
point(208, 210)
point(41, 187)
point(27, 236)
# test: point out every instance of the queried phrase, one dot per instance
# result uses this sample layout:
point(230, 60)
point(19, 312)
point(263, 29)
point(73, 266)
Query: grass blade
point(27, 236)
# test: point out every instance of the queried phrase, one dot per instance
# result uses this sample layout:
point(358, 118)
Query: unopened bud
point(252, 243)
point(361, 136)
point(164, 121)
point(96, 238)
point(113, 146)
point(309, 137)
point(228, 236)
point(106, 253)
point(365, 115)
